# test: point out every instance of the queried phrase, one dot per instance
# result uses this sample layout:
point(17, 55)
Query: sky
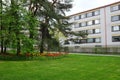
point(83, 5)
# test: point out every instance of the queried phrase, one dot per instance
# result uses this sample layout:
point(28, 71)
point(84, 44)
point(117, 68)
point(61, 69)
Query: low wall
point(103, 50)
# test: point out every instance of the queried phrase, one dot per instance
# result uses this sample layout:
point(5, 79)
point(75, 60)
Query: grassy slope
point(73, 67)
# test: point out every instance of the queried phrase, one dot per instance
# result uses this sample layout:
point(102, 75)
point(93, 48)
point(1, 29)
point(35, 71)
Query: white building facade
point(102, 25)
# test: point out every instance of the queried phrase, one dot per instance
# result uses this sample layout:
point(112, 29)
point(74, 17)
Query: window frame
point(112, 8)
point(113, 40)
point(83, 25)
point(95, 22)
point(116, 30)
point(76, 17)
point(92, 40)
point(76, 25)
point(115, 19)
point(89, 24)
point(82, 15)
point(83, 40)
point(90, 14)
point(90, 31)
point(97, 32)
point(98, 41)
point(95, 12)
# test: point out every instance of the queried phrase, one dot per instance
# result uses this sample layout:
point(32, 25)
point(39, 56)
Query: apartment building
point(102, 25)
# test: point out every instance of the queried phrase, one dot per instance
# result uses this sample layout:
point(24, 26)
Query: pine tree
point(51, 15)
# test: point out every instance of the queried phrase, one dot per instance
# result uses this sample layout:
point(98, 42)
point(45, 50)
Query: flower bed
point(50, 54)
point(33, 56)
point(56, 54)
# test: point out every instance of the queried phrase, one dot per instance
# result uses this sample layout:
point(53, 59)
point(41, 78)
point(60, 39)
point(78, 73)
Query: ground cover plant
point(32, 56)
point(71, 67)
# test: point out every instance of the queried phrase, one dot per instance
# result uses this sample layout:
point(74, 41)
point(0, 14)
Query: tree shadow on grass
point(21, 58)
point(26, 58)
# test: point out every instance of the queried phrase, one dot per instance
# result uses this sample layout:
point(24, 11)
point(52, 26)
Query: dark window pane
point(89, 14)
point(114, 8)
point(83, 24)
point(116, 38)
point(76, 25)
point(76, 17)
point(83, 16)
point(83, 40)
point(90, 40)
point(115, 18)
point(90, 31)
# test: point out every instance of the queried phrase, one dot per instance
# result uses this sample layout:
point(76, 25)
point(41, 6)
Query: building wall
point(105, 27)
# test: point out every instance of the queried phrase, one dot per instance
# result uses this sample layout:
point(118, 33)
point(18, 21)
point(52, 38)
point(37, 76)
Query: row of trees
point(25, 23)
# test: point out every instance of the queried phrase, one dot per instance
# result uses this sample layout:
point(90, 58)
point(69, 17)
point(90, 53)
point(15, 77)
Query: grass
point(72, 67)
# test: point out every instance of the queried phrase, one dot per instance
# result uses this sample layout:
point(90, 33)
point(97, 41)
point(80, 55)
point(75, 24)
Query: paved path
point(90, 54)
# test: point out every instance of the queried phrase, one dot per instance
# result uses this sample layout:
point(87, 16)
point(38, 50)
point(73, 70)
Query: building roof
point(94, 9)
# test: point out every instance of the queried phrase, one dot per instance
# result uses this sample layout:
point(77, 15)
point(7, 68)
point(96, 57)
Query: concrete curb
point(90, 54)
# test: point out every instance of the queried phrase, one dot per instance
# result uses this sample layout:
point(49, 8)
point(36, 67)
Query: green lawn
point(72, 67)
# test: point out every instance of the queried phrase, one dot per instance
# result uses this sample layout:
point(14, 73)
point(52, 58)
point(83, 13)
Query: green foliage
point(15, 18)
point(22, 20)
point(27, 45)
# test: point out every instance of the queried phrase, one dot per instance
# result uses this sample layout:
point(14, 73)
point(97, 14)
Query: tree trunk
point(42, 41)
point(42, 38)
point(31, 35)
point(18, 46)
point(41, 47)
point(2, 48)
point(45, 35)
point(1, 29)
point(5, 46)
point(5, 49)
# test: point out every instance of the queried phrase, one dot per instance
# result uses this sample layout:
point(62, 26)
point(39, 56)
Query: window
point(115, 28)
point(80, 25)
point(96, 30)
point(115, 38)
point(97, 40)
point(76, 25)
point(83, 40)
point(115, 8)
point(90, 31)
point(83, 16)
point(93, 31)
point(79, 16)
point(97, 21)
point(115, 18)
point(90, 40)
point(93, 40)
point(71, 18)
point(97, 12)
point(76, 17)
point(89, 14)
point(76, 41)
point(89, 23)
point(83, 24)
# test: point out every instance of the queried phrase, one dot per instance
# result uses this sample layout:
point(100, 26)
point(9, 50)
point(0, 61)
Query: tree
point(51, 15)
point(46, 16)
point(1, 27)
point(15, 21)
